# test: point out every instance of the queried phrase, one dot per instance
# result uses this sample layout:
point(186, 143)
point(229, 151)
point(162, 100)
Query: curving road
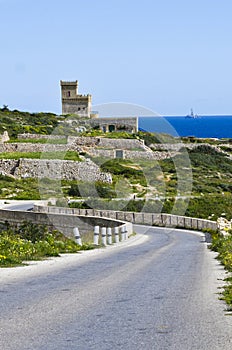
point(157, 291)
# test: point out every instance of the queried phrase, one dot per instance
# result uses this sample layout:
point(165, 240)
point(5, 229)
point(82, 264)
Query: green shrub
point(125, 168)
point(30, 242)
point(97, 189)
point(223, 246)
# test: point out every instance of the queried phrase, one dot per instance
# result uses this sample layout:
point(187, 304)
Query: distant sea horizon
point(205, 126)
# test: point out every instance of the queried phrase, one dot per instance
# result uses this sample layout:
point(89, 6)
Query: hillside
point(16, 122)
point(141, 184)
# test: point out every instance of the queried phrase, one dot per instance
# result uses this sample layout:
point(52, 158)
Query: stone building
point(74, 103)
point(128, 124)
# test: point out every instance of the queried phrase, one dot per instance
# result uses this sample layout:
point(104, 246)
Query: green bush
point(223, 246)
point(125, 168)
point(31, 242)
point(16, 122)
point(97, 189)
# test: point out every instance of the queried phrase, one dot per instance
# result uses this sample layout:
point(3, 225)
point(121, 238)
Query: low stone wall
point(62, 222)
point(83, 141)
point(148, 155)
point(106, 142)
point(39, 136)
point(128, 154)
point(170, 146)
point(8, 166)
point(54, 169)
point(92, 146)
point(156, 219)
point(32, 147)
point(177, 146)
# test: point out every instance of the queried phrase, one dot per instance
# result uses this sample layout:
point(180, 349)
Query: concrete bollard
point(123, 236)
point(77, 235)
point(96, 235)
point(103, 233)
point(116, 235)
point(126, 232)
point(109, 235)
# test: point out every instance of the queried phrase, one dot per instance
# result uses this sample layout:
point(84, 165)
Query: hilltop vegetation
point(16, 122)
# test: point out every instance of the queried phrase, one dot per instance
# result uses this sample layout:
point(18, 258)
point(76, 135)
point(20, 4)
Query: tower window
point(68, 93)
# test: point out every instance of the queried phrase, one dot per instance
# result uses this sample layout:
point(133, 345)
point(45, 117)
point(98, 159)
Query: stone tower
point(74, 103)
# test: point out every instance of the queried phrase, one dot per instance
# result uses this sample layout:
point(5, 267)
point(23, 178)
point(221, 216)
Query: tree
point(5, 108)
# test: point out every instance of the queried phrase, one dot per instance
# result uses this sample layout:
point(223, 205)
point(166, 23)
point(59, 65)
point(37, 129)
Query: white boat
point(191, 115)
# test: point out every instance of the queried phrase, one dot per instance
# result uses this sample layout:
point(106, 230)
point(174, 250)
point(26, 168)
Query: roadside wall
point(159, 219)
point(62, 222)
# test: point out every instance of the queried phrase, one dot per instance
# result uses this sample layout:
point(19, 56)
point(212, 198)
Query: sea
point(217, 126)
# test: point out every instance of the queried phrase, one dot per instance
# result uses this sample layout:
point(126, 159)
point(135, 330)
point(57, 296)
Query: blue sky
point(166, 55)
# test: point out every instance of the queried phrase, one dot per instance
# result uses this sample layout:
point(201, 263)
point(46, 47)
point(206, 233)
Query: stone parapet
point(155, 219)
point(62, 221)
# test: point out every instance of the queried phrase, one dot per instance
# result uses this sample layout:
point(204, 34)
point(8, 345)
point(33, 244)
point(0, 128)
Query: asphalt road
point(157, 291)
point(20, 207)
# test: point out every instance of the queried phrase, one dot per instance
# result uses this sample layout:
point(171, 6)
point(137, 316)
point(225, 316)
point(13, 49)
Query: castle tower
point(72, 102)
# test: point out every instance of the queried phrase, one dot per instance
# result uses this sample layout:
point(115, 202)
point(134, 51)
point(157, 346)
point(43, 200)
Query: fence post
point(77, 235)
point(96, 235)
point(126, 232)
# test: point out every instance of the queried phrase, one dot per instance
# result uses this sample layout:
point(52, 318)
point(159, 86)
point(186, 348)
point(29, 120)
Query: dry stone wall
point(32, 147)
point(90, 147)
point(148, 155)
point(106, 142)
point(103, 147)
point(177, 146)
point(55, 169)
point(8, 166)
point(39, 136)
point(128, 154)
